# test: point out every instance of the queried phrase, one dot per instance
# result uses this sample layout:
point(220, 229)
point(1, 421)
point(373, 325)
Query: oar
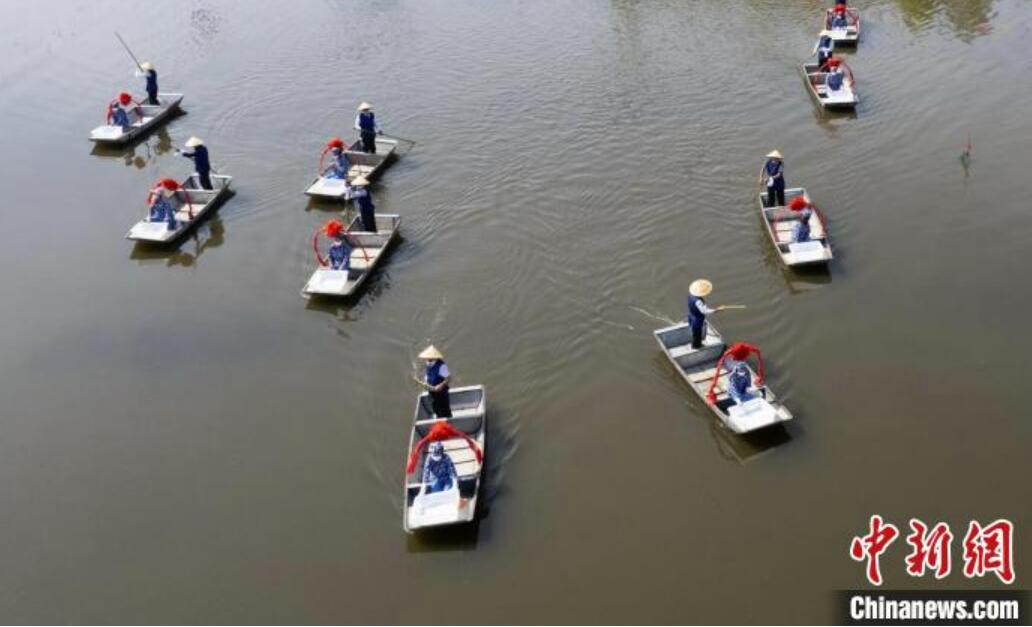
point(422, 383)
point(411, 141)
point(126, 46)
point(723, 307)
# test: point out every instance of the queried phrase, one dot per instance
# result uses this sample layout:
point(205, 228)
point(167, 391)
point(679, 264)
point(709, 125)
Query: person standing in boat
point(824, 48)
point(801, 208)
point(161, 209)
point(364, 200)
point(368, 129)
point(199, 154)
point(773, 175)
point(151, 76)
point(698, 310)
point(436, 382)
point(439, 470)
point(340, 251)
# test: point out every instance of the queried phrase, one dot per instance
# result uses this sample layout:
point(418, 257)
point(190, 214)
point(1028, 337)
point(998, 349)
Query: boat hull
point(109, 135)
point(458, 505)
point(697, 368)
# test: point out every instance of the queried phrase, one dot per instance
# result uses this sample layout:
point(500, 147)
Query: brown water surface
point(185, 439)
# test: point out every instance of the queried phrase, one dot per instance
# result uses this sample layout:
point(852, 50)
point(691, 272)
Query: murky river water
point(185, 439)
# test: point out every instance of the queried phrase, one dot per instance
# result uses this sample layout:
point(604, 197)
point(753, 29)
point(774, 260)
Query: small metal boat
point(191, 203)
point(459, 503)
point(848, 36)
point(369, 249)
point(363, 164)
point(780, 223)
point(153, 115)
point(698, 367)
point(816, 82)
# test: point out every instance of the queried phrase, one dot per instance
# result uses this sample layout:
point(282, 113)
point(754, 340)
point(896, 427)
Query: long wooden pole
point(126, 46)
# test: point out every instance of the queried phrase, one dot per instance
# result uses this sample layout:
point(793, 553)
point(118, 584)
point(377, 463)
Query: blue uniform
point(366, 208)
point(839, 21)
point(436, 373)
point(202, 164)
point(340, 255)
point(834, 81)
point(339, 166)
point(801, 232)
point(739, 382)
point(152, 87)
point(825, 46)
point(775, 169)
point(161, 211)
point(696, 319)
point(119, 117)
point(367, 129)
point(439, 474)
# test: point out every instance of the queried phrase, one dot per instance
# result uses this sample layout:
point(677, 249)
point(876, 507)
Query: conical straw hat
point(774, 154)
point(361, 181)
point(365, 106)
point(700, 288)
point(194, 142)
point(431, 353)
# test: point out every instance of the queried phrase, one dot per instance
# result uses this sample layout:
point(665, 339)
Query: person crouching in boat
point(698, 309)
point(340, 250)
point(824, 48)
point(739, 381)
point(151, 77)
point(161, 209)
point(202, 164)
point(120, 109)
point(361, 196)
point(773, 175)
point(368, 129)
point(835, 78)
point(838, 18)
point(439, 470)
point(339, 164)
point(436, 382)
point(801, 230)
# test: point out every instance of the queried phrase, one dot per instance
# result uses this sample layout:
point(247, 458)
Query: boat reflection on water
point(748, 446)
point(807, 278)
point(209, 234)
point(139, 152)
point(452, 538)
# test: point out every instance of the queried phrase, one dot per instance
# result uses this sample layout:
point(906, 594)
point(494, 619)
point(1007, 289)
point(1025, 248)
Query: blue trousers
point(698, 326)
point(776, 193)
point(439, 485)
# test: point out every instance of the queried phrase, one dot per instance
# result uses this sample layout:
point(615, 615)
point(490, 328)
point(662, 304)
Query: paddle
point(411, 141)
point(126, 46)
point(421, 382)
point(723, 307)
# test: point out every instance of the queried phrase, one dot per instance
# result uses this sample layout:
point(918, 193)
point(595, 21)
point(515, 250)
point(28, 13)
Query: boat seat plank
point(706, 375)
